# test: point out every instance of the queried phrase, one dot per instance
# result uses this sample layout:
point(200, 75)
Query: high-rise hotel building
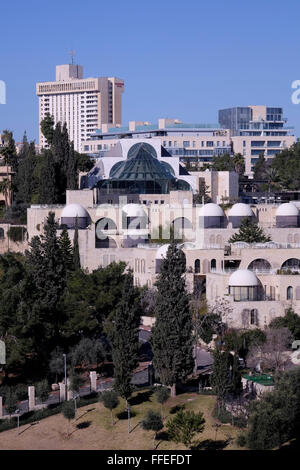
point(83, 103)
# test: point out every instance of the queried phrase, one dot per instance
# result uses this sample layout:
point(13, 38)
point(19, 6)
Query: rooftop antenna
point(72, 53)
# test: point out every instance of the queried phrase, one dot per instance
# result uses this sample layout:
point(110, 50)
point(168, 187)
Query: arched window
point(1, 234)
point(292, 263)
point(260, 265)
point(253, 317)
point(213, 264)
point(290, 238)
point(197, 266)
point(142, 266)
point(298, 293)
point(296, 238)
point(289, 293)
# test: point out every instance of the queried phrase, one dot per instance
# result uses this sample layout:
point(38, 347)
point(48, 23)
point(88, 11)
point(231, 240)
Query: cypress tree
point(47, 183)
point(71, 170)
point(220, 377)
point(66, 250)
point(172, 338)
point(76, 254)
point(124, 338)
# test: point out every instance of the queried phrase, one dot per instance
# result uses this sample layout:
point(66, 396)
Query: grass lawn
point(92, 429)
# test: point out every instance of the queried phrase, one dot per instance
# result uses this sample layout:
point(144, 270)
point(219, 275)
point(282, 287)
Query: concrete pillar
point(93, 377)
point(31, 398)
point(1, 409)
point(62, 392)
point(69, 392)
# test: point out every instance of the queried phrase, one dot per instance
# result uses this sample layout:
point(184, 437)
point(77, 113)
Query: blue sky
point(178, 59)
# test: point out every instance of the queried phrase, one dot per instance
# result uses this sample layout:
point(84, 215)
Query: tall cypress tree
point(172, 338)
point(47, 181)
point(48, 273)
point(71, 169)
point(47, 128)
point(76, 254)
point(66, 250)
point(124, 338)
point(220, 378)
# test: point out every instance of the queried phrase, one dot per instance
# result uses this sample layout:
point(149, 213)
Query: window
point(186, 143)
point(197, 266)
point(1, 234)
point(213, 264)
point(289, 293)
point(209, 143)
point(253, 317)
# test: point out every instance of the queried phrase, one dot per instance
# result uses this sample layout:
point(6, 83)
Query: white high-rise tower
point(83, 103)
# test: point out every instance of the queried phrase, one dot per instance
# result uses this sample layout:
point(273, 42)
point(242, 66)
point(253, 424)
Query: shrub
point(184, 426)
point(16, 234)
point(241, 440)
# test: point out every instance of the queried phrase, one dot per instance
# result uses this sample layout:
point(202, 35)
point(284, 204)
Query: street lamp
point(65, 362)
point(18, 418)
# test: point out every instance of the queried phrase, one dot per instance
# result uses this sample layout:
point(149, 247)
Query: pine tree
point(124, 338)
point(66, 250)
point(236, 378)
point(76, 254)
point(249, 232)
point(172, 338)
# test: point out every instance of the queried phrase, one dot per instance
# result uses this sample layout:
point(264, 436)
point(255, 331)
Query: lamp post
point(18, 418)
point(65, 362)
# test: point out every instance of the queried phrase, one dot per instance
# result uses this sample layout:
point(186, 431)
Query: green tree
point(42, 390)
point(88, 353)
point(11, 401)
point(47, 192)
point(68, 412)
point(110, 400)
point(56, 364)
point(291, 321)
point(172, 337)
point(249, 232)
point(66, 250)
point(275, 418)
point(47, 128)
point(76, 254)
point(153, 422)
point(71, 169)
point(124, 338)
point(238, 164)
point(162, 394)
point(184, 426)
point(220, 378)
point(202, 194)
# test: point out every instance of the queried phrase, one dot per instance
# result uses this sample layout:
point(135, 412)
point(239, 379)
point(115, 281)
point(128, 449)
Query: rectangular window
point(186, 143)
point(209, 143)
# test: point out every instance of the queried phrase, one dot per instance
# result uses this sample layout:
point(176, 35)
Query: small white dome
point(286, 209)
point(211, 210)
point(134, 210)
point(162, 251)
point(240, 210)
point(74, 210)
point(242, 278)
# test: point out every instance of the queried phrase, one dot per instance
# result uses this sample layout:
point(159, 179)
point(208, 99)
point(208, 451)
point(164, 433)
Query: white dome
point(162, 251)
point(243, 277)
point(211, 210)
point(240, 210)
point(134, 210)
point(286, 209)
point(74, 210)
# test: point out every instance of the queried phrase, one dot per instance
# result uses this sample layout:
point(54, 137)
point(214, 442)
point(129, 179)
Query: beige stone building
point(83, 103)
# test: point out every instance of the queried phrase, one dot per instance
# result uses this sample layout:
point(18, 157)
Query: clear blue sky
point(183, 59)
